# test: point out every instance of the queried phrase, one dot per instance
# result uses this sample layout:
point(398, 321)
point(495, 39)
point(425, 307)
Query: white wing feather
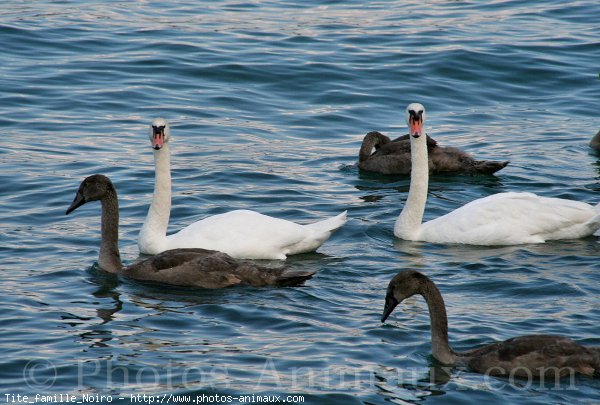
point(513, 218)
point(251, 235)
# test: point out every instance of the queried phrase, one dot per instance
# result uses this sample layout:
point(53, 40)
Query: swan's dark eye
point(420, 112)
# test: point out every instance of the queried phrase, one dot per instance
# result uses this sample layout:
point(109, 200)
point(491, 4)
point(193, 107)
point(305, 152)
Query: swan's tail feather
point(317, 234)
point(329, 224)
point(488, 166)
point(594, 223)
point(293, 277)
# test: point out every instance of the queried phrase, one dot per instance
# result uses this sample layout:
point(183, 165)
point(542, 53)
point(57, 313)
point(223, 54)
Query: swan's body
point(242, 234)
point(537, 356)
point(512, 218)
point(499, 219)
point(393, 157)
point(180, 267)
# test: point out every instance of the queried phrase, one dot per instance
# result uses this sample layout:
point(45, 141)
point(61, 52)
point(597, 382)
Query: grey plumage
point(393, 157)
point(531, 356)
point(209, 269)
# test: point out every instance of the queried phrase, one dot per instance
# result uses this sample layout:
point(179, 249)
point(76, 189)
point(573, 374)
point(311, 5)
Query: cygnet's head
point(159, 133)
point(404, 284)
point(415, 118)
point(92, 188)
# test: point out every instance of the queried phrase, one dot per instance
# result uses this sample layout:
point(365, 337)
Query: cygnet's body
point(180, 267)
point(393, 157)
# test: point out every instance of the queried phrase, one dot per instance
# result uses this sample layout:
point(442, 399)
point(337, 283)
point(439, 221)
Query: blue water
point(268, 103)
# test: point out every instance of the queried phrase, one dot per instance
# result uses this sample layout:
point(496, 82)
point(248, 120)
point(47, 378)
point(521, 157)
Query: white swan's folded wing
point(251, 235)
point(513, 218)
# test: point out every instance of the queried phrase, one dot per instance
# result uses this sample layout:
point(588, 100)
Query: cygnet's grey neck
point(109, 258)
point(372, 139)
point(440, 347)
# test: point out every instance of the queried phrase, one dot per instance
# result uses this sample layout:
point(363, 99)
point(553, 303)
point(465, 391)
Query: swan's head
point(404, 284)
point(415, 118)
point(92, 188)
point(159, 133)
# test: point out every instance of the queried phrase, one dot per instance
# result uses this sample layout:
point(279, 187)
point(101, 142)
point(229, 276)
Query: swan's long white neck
point(154, 231)
point(408, 224)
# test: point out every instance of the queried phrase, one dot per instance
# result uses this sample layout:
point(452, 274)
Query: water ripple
point(268, 103)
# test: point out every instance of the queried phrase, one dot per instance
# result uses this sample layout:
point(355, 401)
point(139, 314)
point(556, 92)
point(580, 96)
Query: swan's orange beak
point(416, 125)
point(158, 137)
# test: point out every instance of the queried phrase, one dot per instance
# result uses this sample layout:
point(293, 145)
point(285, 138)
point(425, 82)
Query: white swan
point(242, 234)
point(499, 219)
